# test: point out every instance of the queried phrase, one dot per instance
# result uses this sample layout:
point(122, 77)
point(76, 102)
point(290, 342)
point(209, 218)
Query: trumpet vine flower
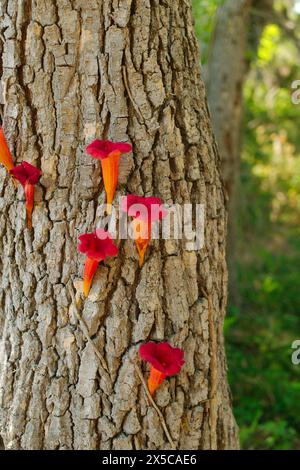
point(96, 246)
point(5, 155)
point(109, 154)
point(144, 211)
point(165, 361)
point(28, 175)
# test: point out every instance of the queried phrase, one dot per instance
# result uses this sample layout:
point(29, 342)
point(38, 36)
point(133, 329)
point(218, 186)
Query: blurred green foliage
point(262, 326)
point(204, 14)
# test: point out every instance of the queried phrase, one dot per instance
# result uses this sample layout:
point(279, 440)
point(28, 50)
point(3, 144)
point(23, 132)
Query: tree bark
point(126, 70)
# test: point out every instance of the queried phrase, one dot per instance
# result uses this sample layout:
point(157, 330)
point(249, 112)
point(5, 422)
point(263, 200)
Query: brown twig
point(85, 331)
point(213, 400)
point(104, 368)
point(150, 398)
point(125, 78)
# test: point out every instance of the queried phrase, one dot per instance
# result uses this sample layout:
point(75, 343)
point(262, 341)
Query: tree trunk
point(126, 70)
point(226, 74)
point(237, 32)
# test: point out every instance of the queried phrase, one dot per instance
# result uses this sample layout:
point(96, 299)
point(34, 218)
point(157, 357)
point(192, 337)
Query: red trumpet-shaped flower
point(5, 155)
point(144, 211)
point(165, 361)
point(96, 246)
point(109, 154)
point(28, 175)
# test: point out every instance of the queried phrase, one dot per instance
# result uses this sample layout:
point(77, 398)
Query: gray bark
point(126, 70)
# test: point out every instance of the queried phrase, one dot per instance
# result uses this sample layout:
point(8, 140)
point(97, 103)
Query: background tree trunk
point(125, 70)
point(237, 34)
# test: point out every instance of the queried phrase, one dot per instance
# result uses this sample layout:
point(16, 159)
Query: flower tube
point(109, 153)
point(144, 211)
point(28, 175)
point(5, 155)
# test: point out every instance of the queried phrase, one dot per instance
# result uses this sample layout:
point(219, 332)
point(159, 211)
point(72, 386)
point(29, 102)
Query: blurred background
point(250, 60)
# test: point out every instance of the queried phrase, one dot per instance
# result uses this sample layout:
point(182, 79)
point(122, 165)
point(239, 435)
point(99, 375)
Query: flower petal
point(101, 149)
point(97, 248)
point(26, 173)
point(122, 147)
point(163, 357)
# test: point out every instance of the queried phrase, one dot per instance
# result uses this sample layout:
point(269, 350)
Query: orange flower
point(5, 155)
point(96, 246)
point(144, 211)
point(165, 361)
point(28, 175)
point(109, 154)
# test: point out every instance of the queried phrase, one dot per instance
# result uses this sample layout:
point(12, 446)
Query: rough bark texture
point(237, 34)
point(127, 70)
